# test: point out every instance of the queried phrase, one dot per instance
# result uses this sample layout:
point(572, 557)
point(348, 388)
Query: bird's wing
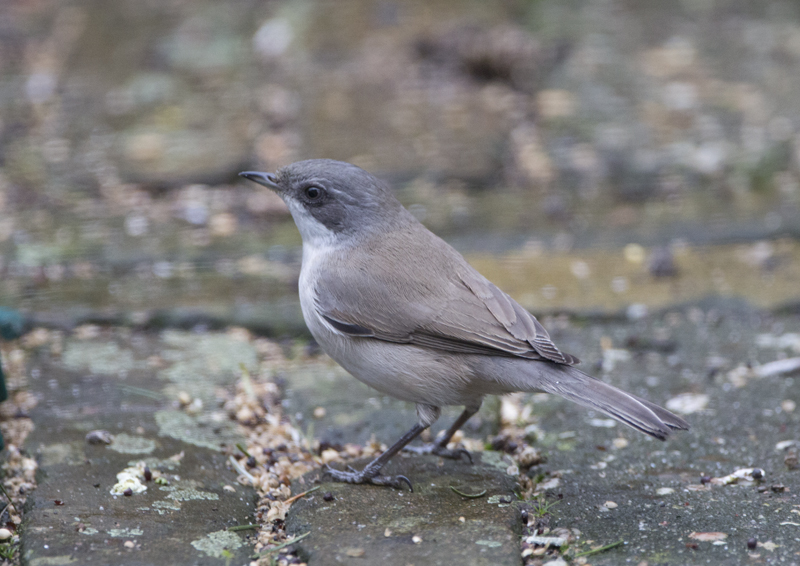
point(455, 309)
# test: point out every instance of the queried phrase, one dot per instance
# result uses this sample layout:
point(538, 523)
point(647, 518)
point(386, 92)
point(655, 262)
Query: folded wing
point(454, 309)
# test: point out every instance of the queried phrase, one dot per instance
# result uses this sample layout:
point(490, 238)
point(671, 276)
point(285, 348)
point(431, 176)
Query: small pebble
point(778, 488)
point(184, 398)
point(416, 539)
point(328, 496)
point(354, 552)
point(319, 413)
point(610, 505)
point(752, 543)
point(99, 437)
point(5, 534)
point(791, 460)
point(129, 544)
point(462, 520)
point(388, 532)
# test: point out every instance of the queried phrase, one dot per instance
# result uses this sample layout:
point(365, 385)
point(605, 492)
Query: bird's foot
point(439, 450)
point(368, 475)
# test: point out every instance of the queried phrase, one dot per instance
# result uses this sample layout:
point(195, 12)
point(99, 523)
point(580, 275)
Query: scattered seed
point(354, 552)
point(128, 492)
point(619, 443)
point(329, 455)
point(752, 543)
point(416, 539)
point(328, 496)
point(148, 475)
point(708, 537)
point(129, 544)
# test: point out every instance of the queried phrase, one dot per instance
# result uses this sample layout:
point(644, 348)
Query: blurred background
point(586, 155)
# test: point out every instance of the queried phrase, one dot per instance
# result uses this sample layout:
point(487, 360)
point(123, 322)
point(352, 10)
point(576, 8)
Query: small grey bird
point(402, 311)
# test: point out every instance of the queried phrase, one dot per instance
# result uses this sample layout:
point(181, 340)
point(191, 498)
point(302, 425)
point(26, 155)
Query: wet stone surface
point(607, 483)
point(113, 382)
point(433, 525)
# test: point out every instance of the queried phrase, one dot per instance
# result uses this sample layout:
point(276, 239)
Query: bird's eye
point(313, 192)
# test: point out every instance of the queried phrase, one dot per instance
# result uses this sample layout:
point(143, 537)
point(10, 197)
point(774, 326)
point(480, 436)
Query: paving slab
point(434, 525)
point(124, 383)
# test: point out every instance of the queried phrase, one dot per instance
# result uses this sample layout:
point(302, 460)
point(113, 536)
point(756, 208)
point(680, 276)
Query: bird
point(402, 311)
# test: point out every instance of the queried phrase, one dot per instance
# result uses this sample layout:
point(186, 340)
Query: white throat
point(314, 234)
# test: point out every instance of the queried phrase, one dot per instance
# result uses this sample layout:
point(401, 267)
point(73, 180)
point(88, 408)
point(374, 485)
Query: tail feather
point(672, 420)
point(590, 392)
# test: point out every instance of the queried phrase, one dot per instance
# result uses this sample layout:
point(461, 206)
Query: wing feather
point(454, 309)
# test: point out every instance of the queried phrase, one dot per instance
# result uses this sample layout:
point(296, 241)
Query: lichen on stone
point(215, 544)
point(128, 444)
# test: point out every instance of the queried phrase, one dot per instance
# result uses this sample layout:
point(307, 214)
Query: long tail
point(588, 391)
point(573, 384)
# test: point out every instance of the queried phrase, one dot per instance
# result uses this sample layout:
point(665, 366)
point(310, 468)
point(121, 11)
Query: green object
point(12, 324)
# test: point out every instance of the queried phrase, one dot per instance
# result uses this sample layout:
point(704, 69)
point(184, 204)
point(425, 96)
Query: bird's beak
point(267, 179)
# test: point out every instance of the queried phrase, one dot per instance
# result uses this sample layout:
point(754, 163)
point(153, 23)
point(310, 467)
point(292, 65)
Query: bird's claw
point(368, 476)
point(439, 450)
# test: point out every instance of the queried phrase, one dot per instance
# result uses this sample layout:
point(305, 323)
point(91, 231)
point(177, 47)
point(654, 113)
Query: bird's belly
point(406, 372)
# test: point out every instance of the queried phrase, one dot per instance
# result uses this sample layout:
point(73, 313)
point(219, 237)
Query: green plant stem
point(601, 549)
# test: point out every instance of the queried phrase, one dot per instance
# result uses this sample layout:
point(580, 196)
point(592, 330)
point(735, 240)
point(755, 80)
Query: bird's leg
point(427, 416)
point(439, 447)
point(370, 473)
